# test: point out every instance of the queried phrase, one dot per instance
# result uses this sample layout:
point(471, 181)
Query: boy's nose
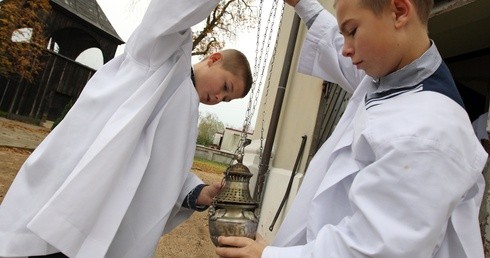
point(347, 48)
point(347, 51)
point(219, 97)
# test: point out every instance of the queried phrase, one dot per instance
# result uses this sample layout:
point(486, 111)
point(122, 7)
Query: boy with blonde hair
point(400, 176)
point(114, 175)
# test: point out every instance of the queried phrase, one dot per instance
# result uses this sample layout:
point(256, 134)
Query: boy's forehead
point(337, 2)
point(342, 8)
point(340, 5)
point(239, 85)
point(348, 10)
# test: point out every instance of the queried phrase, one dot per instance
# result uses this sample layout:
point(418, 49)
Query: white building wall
point(231, 138)
point(298, 117)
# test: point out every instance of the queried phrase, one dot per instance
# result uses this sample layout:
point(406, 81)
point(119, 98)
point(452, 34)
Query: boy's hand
point(292, 3)
point(208, 193)
point(241, 247)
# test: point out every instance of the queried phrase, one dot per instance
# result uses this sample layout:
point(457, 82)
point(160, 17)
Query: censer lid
point(236, 187)
point(238, 169)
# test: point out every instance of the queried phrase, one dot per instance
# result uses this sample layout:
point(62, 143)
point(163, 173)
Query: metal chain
point(248, 115)
point(260, 65)
point(271, 66)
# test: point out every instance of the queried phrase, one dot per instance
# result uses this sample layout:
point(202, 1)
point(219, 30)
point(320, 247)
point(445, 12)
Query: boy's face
point(215, 84)
point(369, 40)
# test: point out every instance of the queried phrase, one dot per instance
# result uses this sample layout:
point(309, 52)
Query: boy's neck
point(415, 44)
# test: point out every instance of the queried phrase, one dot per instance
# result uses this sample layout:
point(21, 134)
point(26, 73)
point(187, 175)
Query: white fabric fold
point(109, 180)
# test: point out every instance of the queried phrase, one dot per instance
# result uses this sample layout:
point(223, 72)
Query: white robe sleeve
point(418, 187)
point(180, 214)
point(374, 229)
point(321, 53)
point(165, 20)
point(129, 116)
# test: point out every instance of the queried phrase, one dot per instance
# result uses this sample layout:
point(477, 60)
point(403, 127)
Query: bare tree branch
point(222, 24)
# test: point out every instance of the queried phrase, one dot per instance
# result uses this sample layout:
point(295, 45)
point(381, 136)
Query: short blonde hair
point(237, 63)
point(423, 7)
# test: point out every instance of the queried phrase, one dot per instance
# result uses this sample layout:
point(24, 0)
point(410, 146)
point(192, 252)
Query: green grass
point(209, 166)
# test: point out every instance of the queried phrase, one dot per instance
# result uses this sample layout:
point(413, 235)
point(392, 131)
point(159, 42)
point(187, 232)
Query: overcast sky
point(124, 16)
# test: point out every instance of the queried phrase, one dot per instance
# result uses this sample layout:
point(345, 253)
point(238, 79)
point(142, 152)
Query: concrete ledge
point(213, 154)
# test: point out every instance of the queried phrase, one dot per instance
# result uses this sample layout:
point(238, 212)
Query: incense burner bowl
point(234, 212)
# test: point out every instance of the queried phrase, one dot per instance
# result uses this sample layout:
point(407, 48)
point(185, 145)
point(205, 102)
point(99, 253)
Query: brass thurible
point(234, 212)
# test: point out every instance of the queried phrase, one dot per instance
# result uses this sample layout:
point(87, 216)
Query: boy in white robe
point(400, 176)
point(113, 176)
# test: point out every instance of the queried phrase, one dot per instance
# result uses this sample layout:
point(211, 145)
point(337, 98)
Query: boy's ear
point(402, 11)
point(214, 58)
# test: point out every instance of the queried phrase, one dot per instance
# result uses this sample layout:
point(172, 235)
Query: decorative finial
point(239, 158)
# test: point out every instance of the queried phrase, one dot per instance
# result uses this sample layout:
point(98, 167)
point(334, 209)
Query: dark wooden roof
point(89, 11)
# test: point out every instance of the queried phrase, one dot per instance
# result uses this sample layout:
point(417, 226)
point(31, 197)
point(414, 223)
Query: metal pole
point(271, 133)
point(290, 184)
